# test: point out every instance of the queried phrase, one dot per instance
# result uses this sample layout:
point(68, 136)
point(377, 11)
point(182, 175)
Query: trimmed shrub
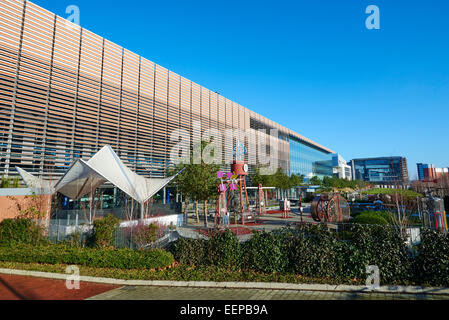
point(144, 235)
point(92, 257)
point(370, 217)
point(381, 246)
point(189, 251)
point(104, 231)
point(263, 253)
point(431, 266)
point(17, 231)
point(311, 252)
point(223, 250)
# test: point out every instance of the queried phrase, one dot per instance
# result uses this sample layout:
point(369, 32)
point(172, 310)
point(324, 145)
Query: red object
point(432, 181)
point(238, 168)
point(256, 223)
point(14, 287)
point(274, 211)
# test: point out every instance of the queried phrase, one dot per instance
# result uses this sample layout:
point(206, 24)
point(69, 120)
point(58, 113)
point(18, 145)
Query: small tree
point(257, 178)
point(90, 211)
point(5, 183)
point(197, 182)
point(296, 180)
point(315, 181)
point(281, 181)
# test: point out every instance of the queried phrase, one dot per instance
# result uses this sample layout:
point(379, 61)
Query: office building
point(428, 171)
point(381, 171)
point(340, 167)
point(65, 92)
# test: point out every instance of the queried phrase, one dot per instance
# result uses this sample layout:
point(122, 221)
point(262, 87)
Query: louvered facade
point(65, 92)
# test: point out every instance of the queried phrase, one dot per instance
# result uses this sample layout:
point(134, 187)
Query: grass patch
point(89, 257)
point(409, 194)
point(180, 273)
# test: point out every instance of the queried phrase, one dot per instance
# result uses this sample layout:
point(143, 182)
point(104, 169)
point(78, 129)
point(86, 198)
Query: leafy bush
point(16, 231)
point(93, 257)
point(145, 234)
point(5, 182)
point(405, 193)
point(311, 252)
point(223, 250)
point(189, 251)
point(104, 231)
point(432, 263)
point(382, 246)
point(370, 217)
point(263, 252)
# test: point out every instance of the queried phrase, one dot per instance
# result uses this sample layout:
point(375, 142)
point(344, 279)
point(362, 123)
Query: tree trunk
point(266, 198)
point(196, 212)
point(90, 208)
point(205, 214)
point(186, 202)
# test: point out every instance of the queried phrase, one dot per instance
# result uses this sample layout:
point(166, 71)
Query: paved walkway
point(267, 222)
point(32, 285)
point(14, 287)
point(185, 293)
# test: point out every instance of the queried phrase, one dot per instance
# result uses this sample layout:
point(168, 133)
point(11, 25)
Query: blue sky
point(309, 65)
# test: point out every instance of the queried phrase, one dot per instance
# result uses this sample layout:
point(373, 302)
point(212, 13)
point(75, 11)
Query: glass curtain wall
point(309, 161)
point(378, 170)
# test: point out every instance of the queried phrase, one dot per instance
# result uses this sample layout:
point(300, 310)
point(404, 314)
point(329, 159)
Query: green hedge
point(222, 250)
point(16, 231)
point(264, 252)
point(92, 257)
point(189, 251)
point(432, 262)
point(370, 218)
point(104, 231)
point(381, 246)
point(309, 250)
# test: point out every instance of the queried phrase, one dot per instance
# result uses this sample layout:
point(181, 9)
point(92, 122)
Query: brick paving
point(13, 287)
point(189, 293)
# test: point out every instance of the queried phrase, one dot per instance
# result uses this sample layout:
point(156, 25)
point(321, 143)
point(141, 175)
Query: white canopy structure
point(33, 182)
point(83, 177)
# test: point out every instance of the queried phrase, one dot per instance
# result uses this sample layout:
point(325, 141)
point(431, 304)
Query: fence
point(121, 213)
point(78, 232)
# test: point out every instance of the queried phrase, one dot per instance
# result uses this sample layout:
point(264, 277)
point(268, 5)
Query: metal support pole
point(57, 234)
point(131, 237)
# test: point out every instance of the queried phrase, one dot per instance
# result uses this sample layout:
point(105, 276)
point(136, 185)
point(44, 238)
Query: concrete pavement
point(191, 293)
point(202, 290)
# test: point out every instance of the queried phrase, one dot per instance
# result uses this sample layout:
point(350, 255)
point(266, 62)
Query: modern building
point(423, 170)
point(381, 171)
point(428, 171)
point(65, 92)
point(340, 167)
